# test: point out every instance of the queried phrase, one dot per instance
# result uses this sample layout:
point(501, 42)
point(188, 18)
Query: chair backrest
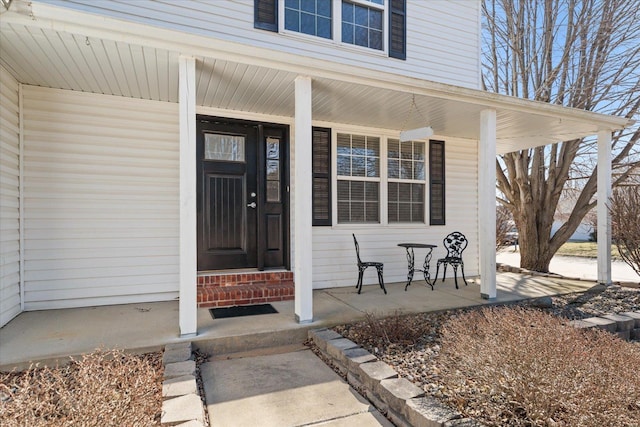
point(355, 241)
point(455, 243)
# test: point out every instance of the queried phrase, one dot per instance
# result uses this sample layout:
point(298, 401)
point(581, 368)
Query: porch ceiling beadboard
point(9, 199)
point(101, 199)
point(143, 64)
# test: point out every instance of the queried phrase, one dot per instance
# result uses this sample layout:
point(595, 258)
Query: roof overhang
point(56, 47)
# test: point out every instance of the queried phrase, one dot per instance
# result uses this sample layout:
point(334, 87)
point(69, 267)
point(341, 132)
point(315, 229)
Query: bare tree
point(577, 53)
point(624, 207)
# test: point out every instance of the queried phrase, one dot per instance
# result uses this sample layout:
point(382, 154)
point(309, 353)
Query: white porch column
point(188, 245)
point(604, 219)
point(302, 200)
point(487, 203)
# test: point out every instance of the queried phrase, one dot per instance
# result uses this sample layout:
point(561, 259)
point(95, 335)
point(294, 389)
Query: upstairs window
point(373, 24)
point(311, 17)
point(362, 25)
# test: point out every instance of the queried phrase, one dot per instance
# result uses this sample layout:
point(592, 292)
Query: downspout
point(21, 193)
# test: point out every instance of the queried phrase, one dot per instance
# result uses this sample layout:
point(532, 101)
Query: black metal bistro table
point(411, 260)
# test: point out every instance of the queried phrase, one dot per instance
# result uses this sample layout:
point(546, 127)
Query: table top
point(417, 245)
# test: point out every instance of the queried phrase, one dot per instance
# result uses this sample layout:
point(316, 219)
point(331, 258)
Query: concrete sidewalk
point(56, 334)
point(294, 388)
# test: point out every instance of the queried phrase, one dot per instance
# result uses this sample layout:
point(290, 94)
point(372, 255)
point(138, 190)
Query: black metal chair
point(362, 266)
point(455, 243)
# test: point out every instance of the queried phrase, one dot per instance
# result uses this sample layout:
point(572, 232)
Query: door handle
point(252, 205)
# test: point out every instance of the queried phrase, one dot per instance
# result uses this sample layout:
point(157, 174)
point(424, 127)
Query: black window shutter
point(321, 175)
point(398, 29)
point(265, 14)
point(436, 183)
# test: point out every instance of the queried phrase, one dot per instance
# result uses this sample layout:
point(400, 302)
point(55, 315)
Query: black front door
point(242, 197)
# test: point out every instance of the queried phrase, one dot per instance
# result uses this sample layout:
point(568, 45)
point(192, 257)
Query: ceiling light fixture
point(418, 133)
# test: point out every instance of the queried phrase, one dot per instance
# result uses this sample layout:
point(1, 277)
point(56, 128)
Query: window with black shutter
point(398, 29)
point(436, 183)
point(265, 14)
point(359, 22)
point(321, 175)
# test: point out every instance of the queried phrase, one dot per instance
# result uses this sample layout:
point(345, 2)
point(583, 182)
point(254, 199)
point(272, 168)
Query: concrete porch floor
point(49, 335)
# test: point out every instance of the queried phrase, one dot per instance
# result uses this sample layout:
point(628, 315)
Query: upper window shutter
point(398, 29)
point(321, 175)
point(436, 183)
point(265, 14)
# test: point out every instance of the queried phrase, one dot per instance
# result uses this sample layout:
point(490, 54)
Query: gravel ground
point(415, 359)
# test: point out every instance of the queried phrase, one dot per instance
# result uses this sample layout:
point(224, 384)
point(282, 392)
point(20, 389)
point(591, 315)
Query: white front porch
point(228, 80)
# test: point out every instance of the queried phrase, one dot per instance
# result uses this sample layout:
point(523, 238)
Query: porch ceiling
point(41, 56)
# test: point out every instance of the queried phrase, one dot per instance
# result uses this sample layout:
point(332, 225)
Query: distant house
point(224, 152)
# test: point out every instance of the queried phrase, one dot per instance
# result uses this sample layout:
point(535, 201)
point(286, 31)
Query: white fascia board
point(91, 25)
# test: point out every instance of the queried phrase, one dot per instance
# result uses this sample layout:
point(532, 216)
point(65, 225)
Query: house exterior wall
point(101, 199)
point(334, 258)
point(443, 43)
point(9, 198)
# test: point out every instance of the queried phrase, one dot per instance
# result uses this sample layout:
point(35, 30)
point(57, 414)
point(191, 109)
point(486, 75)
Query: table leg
point(410, 260)
point(425, 268)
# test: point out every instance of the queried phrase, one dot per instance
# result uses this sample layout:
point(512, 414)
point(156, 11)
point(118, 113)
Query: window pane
point(344, 165)
point(347, 33)
point(393, 149)
point(308, 6)
point(375, 19)
point(324, 28)
point(372, 212)
point(393, 191)
point(273, 148)
point(361, 36)
point(291, 20)
point(373, 167)
point(407, 148)
point(358, 145)
point(418, 150)
point(418, 171)
point(324, 8)
point(358, 166)
point(394, 168)
point(227, 148)
point(375, 39)
point(273, 191)
point(417, 193)
point(347, 12)
point(307, 24)
point(273, 170)
point(362, 16)
point(406, 169)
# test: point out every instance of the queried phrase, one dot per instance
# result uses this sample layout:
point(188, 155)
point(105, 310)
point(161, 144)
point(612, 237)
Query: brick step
point(225, 296)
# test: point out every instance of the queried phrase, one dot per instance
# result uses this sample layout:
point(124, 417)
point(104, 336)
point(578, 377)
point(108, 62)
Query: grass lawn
point(584, 249)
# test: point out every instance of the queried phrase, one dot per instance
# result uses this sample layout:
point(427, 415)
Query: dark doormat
point(241, 310)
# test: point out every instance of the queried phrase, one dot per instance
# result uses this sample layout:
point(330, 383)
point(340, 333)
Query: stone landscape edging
point(404, 403)
point(181, 402)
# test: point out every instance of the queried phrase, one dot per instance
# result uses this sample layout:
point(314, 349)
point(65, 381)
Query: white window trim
point(383, 180)
point(336, 30)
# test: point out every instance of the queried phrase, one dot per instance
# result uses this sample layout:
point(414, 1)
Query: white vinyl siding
point(9, 198)
point(443, 38)
point(334, 258)
point(101, 199)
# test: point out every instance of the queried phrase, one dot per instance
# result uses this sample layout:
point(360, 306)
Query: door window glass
point(273, 170)
point(228, 148)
